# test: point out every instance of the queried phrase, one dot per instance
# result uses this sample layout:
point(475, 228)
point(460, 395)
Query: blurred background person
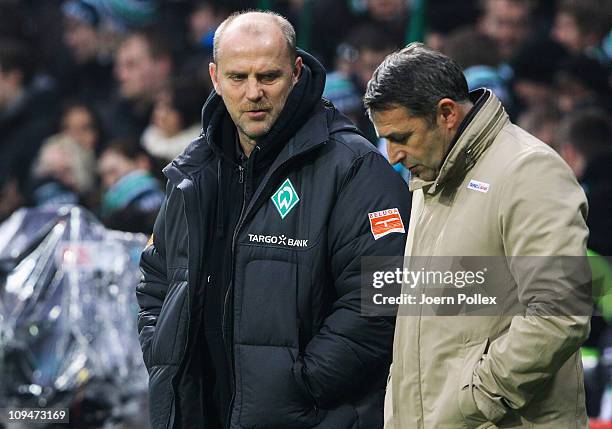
point(358, 56)
point(582, 82)
point(175, 121)
point(542, 122)
point(85, 72)
point(131, 195)
point(63, 173)
point(479, 58)
point(332, 20)
point(143, 66)
point(80, 121)
point(582, 25)
point(585, 143)
point(25, 120)
point(509, 22)
point(202, 21)
point(533, 74)
point(444, 17)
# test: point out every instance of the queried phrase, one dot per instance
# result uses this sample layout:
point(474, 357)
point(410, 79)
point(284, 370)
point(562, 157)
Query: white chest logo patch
point(475, 185)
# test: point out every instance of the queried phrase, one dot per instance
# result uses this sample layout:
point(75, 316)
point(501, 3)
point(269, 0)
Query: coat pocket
point(170, 330)
point(270, 395)
point(473, 417)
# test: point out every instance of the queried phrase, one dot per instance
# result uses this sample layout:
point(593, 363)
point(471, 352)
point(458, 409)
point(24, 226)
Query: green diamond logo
point(285, 198)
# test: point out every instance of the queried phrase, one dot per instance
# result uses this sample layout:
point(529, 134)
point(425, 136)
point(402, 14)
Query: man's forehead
point(391, 115)
point(253, 54)
point(396, 119)
point(257, 36)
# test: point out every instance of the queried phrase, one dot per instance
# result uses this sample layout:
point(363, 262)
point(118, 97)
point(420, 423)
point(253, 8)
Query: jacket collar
point(324, 121)
point(475, 135)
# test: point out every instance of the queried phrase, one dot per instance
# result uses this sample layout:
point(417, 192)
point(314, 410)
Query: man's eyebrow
point(397, 137)
point(269, 73)
point(234, 73)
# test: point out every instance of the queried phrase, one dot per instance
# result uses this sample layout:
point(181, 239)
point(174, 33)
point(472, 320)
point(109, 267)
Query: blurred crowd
point(97, 96)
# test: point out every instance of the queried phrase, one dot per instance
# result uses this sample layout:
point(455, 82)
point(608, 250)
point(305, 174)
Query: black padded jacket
point(301, 353)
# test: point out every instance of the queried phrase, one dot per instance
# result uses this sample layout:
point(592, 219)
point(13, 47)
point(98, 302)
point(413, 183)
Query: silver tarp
point(68, 310)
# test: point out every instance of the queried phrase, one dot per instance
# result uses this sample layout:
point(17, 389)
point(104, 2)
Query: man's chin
point(255, 133)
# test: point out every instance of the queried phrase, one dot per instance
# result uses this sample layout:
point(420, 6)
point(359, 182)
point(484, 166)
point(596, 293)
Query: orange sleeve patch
point(385, 222)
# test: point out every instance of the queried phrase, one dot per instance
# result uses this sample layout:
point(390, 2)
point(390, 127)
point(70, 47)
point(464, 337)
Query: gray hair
point(416, 78)
point(283, 24)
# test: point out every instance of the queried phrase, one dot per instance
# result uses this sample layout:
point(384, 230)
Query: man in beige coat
point(481, 187)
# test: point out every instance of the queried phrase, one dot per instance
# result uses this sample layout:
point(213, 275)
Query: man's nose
point(395, 152)
point(253, 90)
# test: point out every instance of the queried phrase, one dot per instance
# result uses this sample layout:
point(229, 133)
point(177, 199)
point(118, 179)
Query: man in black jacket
point(250, 302)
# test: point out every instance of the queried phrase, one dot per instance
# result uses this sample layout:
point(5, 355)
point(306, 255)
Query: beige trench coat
point(486, 371)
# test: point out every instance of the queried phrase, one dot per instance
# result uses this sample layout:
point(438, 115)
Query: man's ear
point(297, 69)
point(212, 70)
point(448, 115)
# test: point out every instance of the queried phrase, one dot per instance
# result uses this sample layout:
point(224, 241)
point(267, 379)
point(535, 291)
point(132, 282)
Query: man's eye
point(236, 77)
point(268, 78)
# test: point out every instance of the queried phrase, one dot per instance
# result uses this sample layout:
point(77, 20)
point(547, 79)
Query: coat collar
point(324, 121)
point(475, 135)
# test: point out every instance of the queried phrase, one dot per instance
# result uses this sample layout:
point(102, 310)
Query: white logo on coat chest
point(475, 185)
point(280, 240)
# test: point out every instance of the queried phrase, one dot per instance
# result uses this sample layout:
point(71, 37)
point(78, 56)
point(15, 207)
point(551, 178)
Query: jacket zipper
point(241, 181)
point(229, 343)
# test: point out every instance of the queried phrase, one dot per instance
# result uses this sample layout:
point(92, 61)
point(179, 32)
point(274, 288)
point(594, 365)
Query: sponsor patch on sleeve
point(385, 222)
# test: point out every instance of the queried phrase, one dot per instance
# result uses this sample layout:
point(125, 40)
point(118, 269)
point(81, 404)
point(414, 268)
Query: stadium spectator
point(87, 74)
point(509, 23)
point(478, 56)
point(541, 122)
point(581, 25)
point(132, 196)
point(143, 65)
point(585, 142)
point(64, 172)
point(24, 120)
point(390, 17)
point(175, 121)
point(533, 74)
point(365, 48)
point(444, 17)
point(582, 82)
point(333, 20)
point(80, 122)
point(202, 22)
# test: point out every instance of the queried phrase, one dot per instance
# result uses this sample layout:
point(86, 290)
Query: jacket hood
point(475, 134)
